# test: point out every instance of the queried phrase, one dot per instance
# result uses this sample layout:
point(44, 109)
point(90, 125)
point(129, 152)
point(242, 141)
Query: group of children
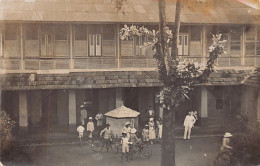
point(150, 133)
point(89, 128)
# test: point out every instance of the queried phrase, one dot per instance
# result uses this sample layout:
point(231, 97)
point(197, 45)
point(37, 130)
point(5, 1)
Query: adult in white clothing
point(188, 124)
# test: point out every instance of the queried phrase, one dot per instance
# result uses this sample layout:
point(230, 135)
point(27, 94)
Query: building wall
point(63, 107)
point(70, 47)
point(35, 107)
point(250, 106)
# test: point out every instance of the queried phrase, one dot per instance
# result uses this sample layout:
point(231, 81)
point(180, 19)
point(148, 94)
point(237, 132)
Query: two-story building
point(56, 53)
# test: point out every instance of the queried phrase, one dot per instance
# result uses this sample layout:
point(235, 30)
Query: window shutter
point(185, 45)
point(98, 45)
point(180, 45)
point(91, 45)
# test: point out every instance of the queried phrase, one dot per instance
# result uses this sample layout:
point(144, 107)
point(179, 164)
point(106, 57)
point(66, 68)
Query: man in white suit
point(188, 124)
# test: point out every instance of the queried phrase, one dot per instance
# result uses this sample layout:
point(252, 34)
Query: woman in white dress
point(152, 135)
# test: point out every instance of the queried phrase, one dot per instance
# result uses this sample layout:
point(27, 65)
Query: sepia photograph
point(129, 82)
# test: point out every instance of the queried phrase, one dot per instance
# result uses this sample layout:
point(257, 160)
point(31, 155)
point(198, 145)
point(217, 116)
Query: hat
point(127, 123)
point(81, 106)
point(123, 132)
point(151, 119)
point(108, 124)
point(228, 135)
point(146, 125)
point(133, 130)
point(90, 118)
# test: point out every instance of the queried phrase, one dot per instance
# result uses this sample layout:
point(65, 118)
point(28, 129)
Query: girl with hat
point(145, 133)
point(226, 142)
point(90, 127)
point(127, 129)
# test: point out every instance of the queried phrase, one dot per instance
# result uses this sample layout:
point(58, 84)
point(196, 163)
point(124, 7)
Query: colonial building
point(56, 53)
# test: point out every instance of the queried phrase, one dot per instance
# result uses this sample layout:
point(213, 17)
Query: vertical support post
point(72, 109)
point(243, 46)
point(258, 108)
point(23, 110)
point(118, 45)
point(21, 46)
point(204, 102)
point(204, 44)
point(71, 47)
point(119, 97)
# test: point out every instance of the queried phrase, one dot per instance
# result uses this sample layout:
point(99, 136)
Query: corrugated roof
point(122, 112)
point(135, 11)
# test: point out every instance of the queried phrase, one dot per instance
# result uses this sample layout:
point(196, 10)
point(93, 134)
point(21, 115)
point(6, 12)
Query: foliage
point(181, 74)
point(6, 126)
point(119, 5)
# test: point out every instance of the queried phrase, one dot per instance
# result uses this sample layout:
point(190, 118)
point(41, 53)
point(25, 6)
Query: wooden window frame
point(251, 41)
point(183, 36)
point(46, 39)
point(17, 41)
point(95, 35)
point(67, 41)
point(86, 41)
point(25, 39)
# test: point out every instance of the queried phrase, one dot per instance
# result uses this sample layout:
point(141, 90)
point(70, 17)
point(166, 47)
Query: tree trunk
point(168, 138)
point(175, 30)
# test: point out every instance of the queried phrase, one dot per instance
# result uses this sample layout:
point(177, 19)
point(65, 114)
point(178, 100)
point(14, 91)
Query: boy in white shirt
point(125, 145)
point(90, 127)
point(80, 130)
point(188, 124)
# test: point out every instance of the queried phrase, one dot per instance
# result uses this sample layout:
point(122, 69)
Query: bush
point(6, 126)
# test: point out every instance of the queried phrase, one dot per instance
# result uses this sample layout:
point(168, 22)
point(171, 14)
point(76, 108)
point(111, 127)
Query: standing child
point(125, 145)
point(145, 134)
point(90, 127)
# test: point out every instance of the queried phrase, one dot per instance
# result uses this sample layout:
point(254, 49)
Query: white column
point(23, 110)
point(204, 102)
point(119, 97)
point(72, 107)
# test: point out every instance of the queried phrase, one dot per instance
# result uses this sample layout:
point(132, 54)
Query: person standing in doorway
point(83, 115)
point(99, 119)
point(150, 112)
point(188, 124)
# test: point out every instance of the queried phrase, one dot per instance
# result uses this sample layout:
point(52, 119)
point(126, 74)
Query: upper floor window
point(252, 40)
point(47, 40)
point(11, 41)
point(183, 46)
point(31, 40)
point(94, 40)
point(61, 40)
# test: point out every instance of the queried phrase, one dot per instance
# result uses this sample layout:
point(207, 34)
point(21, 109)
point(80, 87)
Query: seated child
point(80, 130)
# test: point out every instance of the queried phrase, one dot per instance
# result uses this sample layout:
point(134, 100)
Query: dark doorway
point(49, 109)
point(130, 98)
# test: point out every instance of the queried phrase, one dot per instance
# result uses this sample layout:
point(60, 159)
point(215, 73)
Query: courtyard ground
point(199, 151)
